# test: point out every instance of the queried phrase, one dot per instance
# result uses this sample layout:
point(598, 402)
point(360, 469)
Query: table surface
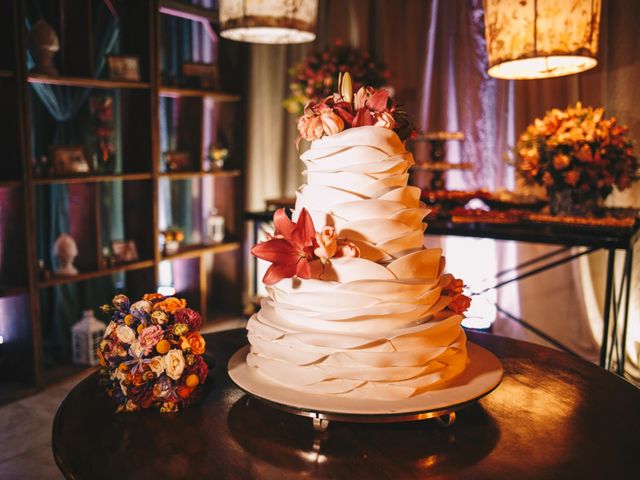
point(554, 416)
point(523, 231)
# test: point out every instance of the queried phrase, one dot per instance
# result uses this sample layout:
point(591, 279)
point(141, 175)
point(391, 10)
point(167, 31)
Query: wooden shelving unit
point(209, 276)
point(87, 82)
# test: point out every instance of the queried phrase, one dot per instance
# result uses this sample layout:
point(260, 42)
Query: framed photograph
point(124, 251)
point(68, 159)
point(177, 161)
point(124, 67)
point(201, 75)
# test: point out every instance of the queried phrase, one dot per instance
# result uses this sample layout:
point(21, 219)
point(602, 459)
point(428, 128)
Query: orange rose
point(184, 391)
point(197, 343)
point(460, 304)
point(327, 243)
point(572, 177)
point(171, 304)
point(561, 161)
point(310, 127)
point(150, 297)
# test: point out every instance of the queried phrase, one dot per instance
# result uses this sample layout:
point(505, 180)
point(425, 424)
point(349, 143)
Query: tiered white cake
point(376, 326)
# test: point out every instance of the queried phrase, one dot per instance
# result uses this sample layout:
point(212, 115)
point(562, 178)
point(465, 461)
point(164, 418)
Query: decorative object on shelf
point(41, 167)
point(43, 44)
point(170, 240)
point(69, 159)
point(201, 75)
point(344, 110)
point(43, 272)
point(542, 38)
point(124, 67)
point(101, 107)
point(214, 228)
point(124, 251)
point(86, 335)
point(314, 78)
point(578, 155)
point(437, 164)
point(269, 21)
point(65, 251)
point(217, 157)
point(151, 353)
point(176, 161)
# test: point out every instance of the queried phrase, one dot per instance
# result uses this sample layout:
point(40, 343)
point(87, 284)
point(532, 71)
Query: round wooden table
point(554, 416)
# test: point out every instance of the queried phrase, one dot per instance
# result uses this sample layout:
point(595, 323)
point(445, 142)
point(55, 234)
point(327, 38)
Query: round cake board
point(481, 377)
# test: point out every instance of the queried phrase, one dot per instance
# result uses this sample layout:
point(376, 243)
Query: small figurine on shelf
point(86, 336)
point(43, 43)
point(103, 130)
point(217, 157)
point(65, 250)
point(214, 228)
point(170, 240)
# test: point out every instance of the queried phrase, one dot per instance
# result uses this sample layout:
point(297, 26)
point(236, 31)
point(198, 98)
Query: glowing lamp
point(530, 39)
point(269, 21)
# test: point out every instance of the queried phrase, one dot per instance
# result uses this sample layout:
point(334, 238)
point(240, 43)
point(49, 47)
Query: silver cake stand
point(482, 375)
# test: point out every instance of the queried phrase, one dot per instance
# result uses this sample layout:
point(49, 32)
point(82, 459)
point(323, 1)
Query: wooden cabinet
point(129, 199)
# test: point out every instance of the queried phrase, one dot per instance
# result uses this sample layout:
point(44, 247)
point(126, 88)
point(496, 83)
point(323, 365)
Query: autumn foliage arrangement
point(151, 353)
point(578, 149)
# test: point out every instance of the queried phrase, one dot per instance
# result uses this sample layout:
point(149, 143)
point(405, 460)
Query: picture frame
point(177, 161)
point(124, 251)
point(201, 75)
point(69, 159)
point(124, 67)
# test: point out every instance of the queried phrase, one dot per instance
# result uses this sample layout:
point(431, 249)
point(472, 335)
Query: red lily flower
point(291, 248)
point(367, 101)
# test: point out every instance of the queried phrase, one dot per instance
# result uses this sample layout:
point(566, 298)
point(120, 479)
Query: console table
point(553, 416)
point(616, 306)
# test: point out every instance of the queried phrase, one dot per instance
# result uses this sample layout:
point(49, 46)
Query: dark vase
point(572, 202)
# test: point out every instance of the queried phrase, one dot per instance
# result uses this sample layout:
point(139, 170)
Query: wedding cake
point(356, 305)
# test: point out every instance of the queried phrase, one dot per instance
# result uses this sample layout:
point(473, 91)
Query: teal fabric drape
point(66, 108)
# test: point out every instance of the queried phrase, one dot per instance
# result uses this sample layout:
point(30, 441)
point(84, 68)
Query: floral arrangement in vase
point(315, 77)
point(151, 353)
point(342, 110)
point(578, 155)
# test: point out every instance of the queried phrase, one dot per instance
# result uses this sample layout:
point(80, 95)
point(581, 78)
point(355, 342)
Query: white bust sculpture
point(65, 250)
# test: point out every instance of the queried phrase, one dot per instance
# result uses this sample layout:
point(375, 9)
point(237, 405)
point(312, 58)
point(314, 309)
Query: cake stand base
point(481, 377)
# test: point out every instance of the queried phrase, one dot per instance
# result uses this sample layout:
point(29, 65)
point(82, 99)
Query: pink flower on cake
point(384, 120)
point(310, 127)
point(331, 122)
point(348, 249)
point(327, 243)
point(291, 248)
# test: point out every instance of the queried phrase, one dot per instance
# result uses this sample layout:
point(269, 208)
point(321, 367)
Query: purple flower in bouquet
point(141, 310)
point(189, 317)
point(121, 302)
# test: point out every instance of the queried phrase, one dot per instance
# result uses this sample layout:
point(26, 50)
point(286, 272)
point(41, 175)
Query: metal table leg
point(607, 308)
point(628, 270)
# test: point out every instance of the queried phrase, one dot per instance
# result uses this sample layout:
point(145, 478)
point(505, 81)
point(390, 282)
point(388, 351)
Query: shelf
point(177, 92)
point(188, 175)
point(199, 250)
point(6, 73)
point(93, 178)
point(187, 11)
point(9, 183)
point(12, 291)
point(85, 82)
point(126, 267)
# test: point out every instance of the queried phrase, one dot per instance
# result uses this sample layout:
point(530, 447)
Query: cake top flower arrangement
point(151, 353)
point(342, 110)
point(314, 77)
point(579, 149)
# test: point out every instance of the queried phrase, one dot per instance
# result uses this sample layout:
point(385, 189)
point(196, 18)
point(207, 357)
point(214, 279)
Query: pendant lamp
point(530, 39)
point(269, 21)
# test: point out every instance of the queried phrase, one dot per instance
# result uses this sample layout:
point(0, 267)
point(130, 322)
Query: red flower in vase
point(290, 249)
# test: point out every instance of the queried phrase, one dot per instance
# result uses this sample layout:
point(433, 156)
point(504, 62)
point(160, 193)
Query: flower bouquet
point(315, 77)
point(151, 354)
point(342, 110)
point(578, 155)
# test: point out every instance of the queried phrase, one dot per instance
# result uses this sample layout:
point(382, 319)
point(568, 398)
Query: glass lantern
point(86, 335)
